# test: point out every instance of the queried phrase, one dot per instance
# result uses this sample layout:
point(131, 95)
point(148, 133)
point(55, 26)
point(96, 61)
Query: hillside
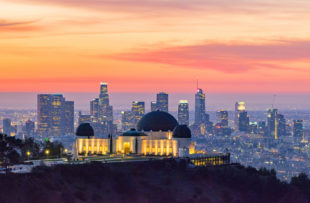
point(156, 181)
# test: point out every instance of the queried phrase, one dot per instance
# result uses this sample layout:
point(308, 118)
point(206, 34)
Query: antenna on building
point(197, 86)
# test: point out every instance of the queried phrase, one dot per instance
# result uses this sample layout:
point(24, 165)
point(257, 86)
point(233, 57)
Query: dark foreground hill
point(156, 181)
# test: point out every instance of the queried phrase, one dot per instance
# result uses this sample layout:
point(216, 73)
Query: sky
point(144, 46)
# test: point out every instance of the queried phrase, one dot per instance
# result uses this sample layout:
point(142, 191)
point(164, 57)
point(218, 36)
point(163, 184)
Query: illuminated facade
point(162, 101)
point(54, 114)
point(200, 107)
point(138, 110)
point(183, 112)
point(158, 134)
point(239, 108)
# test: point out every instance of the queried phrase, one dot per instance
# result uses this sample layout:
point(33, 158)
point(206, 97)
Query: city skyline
point(246, 46)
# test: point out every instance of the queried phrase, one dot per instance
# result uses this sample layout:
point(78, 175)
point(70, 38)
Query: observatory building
point(158, 133)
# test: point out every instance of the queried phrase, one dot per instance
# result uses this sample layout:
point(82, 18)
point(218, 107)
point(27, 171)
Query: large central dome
point(157, 121)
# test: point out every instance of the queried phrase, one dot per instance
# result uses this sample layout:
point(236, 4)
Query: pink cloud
point(226, 58)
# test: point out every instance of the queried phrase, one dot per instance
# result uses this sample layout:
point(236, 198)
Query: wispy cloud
point(19, 26)
point(233, 58)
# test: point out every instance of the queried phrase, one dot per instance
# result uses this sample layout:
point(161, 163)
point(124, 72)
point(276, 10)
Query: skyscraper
point(183, 112)
point(243, 121)
point(222, 118)
point(44, 103)
point(239, 107)
point(7, 128)
point(127, 120)
point(200, 107)
point(272, 123)
point(298, 128)
point(69, 117)
point(281, 123)
point(94, 109)
point(162, 101)
point(105, 110)
point(54, 115)
point(138, 110)
point(153, 106)
point(29, 128)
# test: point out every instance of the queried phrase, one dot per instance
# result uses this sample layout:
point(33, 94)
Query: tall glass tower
point(200, 107)
point(162, 101)
point(183, 112)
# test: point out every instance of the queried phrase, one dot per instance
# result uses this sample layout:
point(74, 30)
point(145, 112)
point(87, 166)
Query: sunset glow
point(147, 46)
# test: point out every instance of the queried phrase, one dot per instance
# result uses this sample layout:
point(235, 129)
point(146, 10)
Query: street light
point(28, 154)
point(47, 152)
point(66, 151)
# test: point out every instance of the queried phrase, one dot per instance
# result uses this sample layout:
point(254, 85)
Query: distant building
point(239, 107)
point(298, 128)
point(222, 118)
point(138, 110)
point(272, 123)
point(29, 128)
point(84, 118)
point(243, 121)
point(153, 106)
point(55, 115)
point(183, 112)
point(94, 109)
point(127, 120)
point(281, 124)
point(7, 128)
point(69, 117)
point(162, 101)
point(200, 107)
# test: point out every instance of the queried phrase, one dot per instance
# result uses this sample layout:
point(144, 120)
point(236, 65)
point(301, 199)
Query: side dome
point(182, 131)
point(157, 121)
point(85, 130)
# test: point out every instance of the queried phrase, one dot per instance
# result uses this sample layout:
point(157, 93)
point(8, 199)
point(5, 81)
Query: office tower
point(94, 109)
point(69, 117)
point(153, 106)
point(183, 112)
point(200, 107)
point(272, 123)
point(262, 128)
point(243, 121)
point(138, 110)
point(281, 122)
point(57, 111)
point(29, 128)
point(162, 101)
point(52, 115)
point(44, 102)
point(127, 120)
point(105, 110)
point(239, 107)
point(7, 128)
point(222, 118)
point(298, 128)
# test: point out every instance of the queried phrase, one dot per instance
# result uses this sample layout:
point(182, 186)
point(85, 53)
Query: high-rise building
point(298, 128)
point(138, 110)
point(127, 120)
point(69, 117)
point(29, 128)
point(222, 118)
point(153, 106)
point(272, 123)
point(239, 107)
point(52, 115)
point(7, 128)
point(84, 118)
point(243, 121)
point(44, 103)
point(183, 112)
point(200, 107)
point(162, 101)
point(281, 124)
point(94, 109)
point(105, 110)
